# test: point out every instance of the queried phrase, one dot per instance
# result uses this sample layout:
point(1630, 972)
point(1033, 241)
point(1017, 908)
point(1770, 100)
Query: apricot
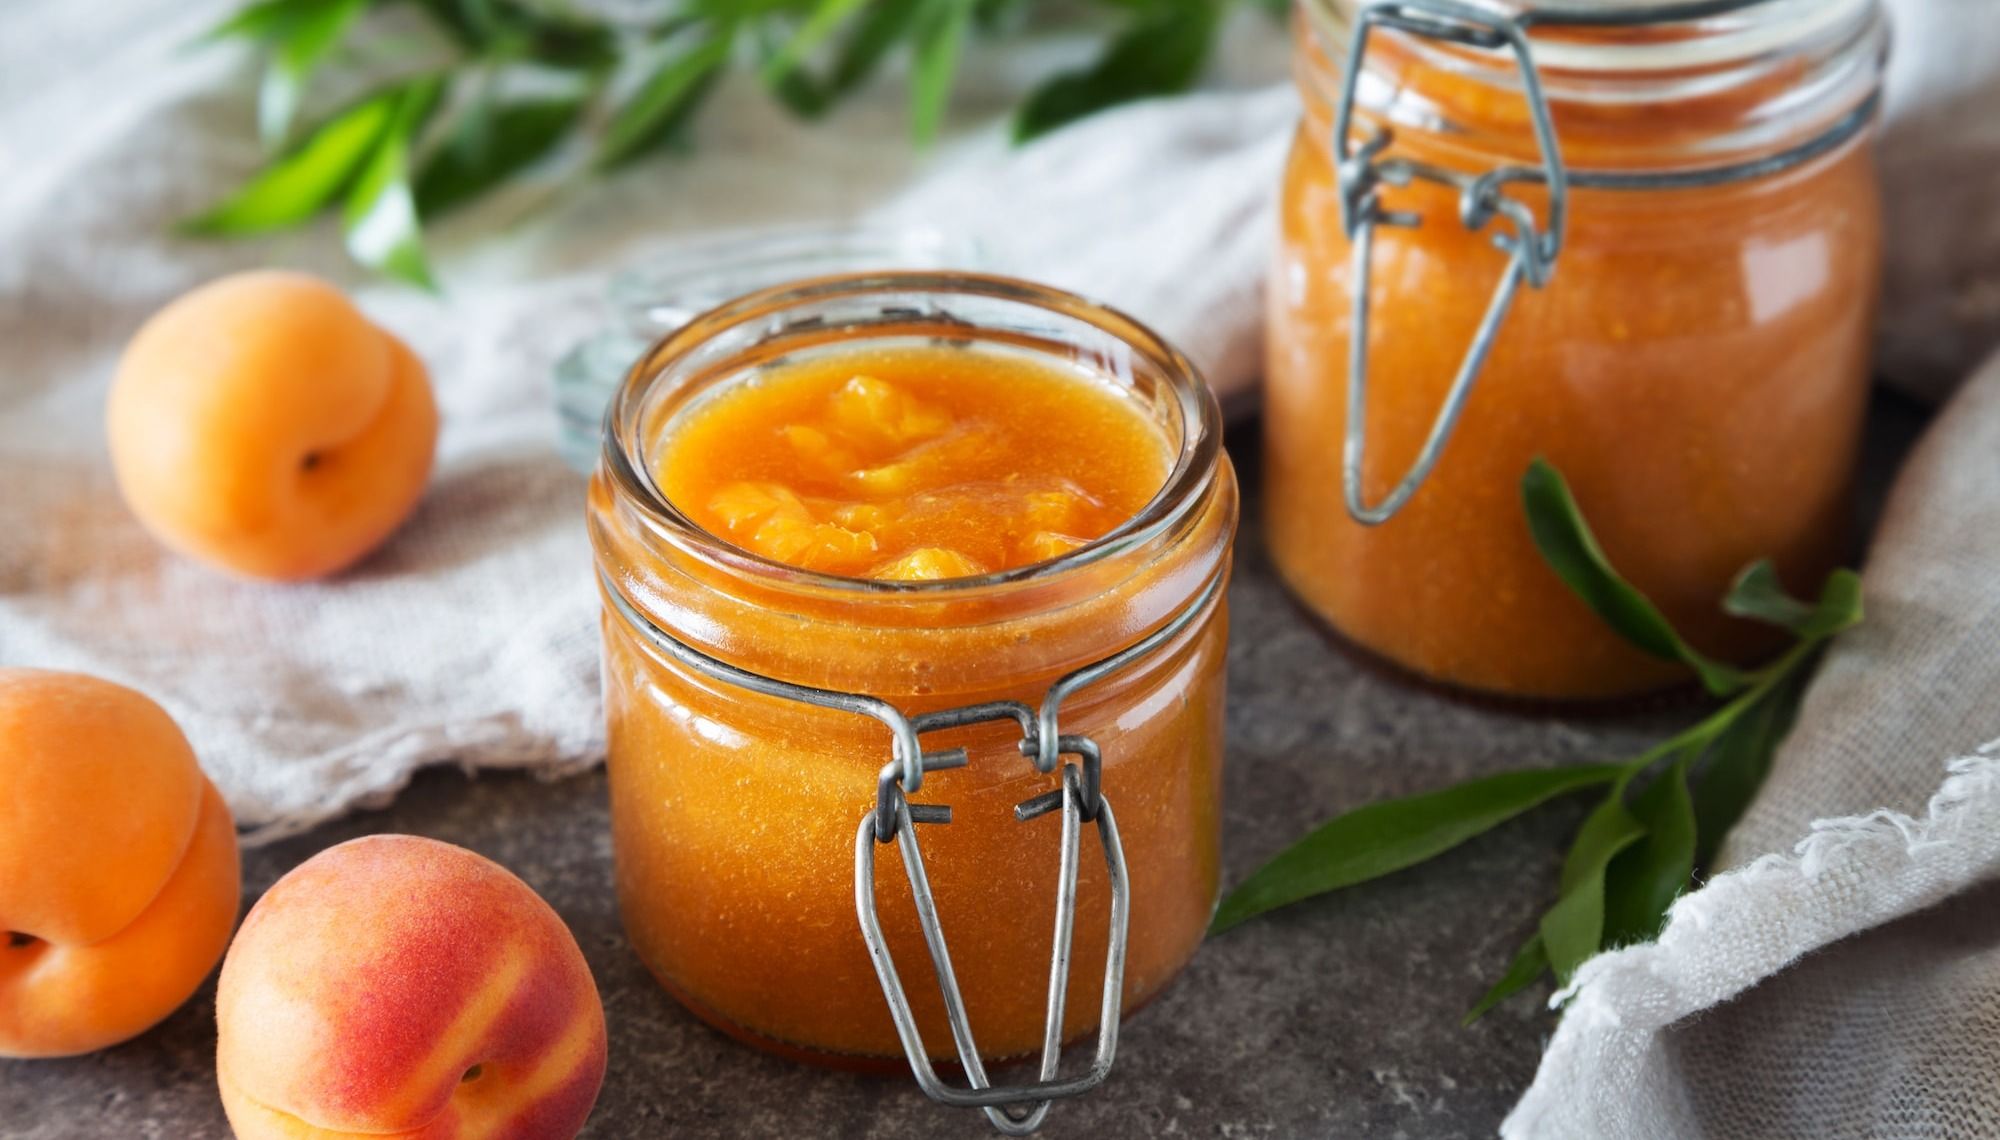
point(881, 412)
point(118, 865)
point(397, 986)
point(262, 425)
point(928, 564)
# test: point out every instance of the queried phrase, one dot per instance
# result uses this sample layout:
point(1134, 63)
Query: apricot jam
point(901, 464)
point(935, 491)
point(1697, 365)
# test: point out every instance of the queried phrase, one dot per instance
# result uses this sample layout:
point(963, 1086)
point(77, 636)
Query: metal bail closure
point(1013, 1110)
point(1363, 172)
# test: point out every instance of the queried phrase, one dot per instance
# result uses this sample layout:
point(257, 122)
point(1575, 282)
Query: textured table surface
point(1336, 1018)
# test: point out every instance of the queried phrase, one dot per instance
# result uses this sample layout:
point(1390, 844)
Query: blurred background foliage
point(518, 79)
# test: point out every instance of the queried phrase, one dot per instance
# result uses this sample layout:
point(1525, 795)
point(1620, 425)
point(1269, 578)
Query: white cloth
point(1844, 991)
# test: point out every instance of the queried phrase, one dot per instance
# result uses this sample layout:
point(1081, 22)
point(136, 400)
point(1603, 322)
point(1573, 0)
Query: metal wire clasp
point(1362, 170)
point(1014, 1110)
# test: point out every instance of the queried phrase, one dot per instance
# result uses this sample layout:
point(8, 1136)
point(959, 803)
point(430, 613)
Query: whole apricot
point(263, 425)
point(401, 986)
point(118, 865)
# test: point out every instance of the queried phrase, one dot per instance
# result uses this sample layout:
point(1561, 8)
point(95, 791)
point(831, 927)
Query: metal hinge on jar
point(1019, 1109)
point(1533, 246)
point(1016, 1110)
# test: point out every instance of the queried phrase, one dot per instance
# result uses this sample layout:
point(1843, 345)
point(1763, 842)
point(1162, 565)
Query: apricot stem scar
point(16, 940)
point(472, 1074)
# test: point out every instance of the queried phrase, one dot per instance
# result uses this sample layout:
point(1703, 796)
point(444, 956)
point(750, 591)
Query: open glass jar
point(771, 728)
point(660, 294)
point(1638, 238)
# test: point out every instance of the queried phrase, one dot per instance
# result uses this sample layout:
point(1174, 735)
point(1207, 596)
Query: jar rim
point(1757, 78)
point(1714, 33)
point(1182, 492)
point(688, 275)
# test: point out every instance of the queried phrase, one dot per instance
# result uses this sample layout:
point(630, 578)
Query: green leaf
point(1161, 53)
point(549, 34)
point(882, 25)
point(826, 15)
point(1000, 17)
point(666, 100)
point(298, 44)
point(1573, 929)
point(473, 23)
point(295, 186)
point(1739, 763)
point(1571, 550)
point(1646, 878)
point(1388, 836)
point(1527, 965)
point(486, 152)
point(940, 35)
point(794, 87)
point(802, 95)
point(380, 217)
point(1759, 595)
point(570, 42)
point(483, 18)
point(258, 21)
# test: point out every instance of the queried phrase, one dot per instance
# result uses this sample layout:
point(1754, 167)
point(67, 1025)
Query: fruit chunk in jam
point(913, 464)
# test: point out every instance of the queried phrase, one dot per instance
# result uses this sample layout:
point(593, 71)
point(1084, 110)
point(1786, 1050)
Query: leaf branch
point(629, 88)
point(1662, 813)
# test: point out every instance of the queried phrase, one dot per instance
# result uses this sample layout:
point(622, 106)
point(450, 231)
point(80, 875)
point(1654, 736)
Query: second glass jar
point(1696, 365)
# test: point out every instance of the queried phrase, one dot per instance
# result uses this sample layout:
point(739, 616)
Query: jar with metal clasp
point(880, 822)
point(1640, 239)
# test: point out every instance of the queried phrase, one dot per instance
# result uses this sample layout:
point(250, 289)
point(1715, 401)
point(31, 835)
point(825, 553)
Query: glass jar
point(663, 292)
point(752, 706)
point(1641, 240)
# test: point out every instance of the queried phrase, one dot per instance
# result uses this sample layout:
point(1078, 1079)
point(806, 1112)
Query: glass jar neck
point(1690, 93)
point(922, 639)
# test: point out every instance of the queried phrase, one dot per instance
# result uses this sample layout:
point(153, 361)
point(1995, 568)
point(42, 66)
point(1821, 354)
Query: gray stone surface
point(1339, 1017)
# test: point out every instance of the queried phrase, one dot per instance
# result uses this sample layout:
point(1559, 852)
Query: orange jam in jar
point(914, 493)
point(900, 464)
point(1689, 343)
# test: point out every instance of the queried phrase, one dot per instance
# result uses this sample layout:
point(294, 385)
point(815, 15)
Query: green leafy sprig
point(525, 77)
point(1659, 815)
